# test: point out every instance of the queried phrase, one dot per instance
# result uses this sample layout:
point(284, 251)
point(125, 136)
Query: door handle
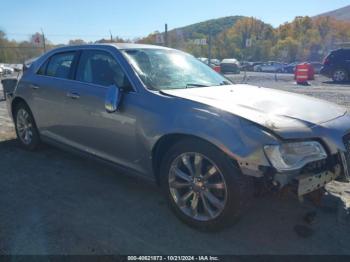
point(34, 86)
point(73, 95)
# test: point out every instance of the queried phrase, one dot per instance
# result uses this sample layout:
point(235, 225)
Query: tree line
point(248, 39)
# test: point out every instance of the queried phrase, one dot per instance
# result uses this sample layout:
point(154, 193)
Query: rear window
point(59, 65)
point(342, 53)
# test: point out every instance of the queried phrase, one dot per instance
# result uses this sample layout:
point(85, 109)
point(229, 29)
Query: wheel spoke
point(206, 206)
point(194, 205)
point(20, 128)
point(26, 136)
point(176, 184)
point(21, 119)
point(181, 174)
point(220, 186)
point(213, 200)
point(212, 171)
point(185, 197)
point(198, 164)
point(187, 163)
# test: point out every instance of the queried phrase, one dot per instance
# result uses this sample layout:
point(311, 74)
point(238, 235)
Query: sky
point(91, 20)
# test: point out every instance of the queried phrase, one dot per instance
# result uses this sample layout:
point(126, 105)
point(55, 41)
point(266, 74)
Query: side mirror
point(113, 99)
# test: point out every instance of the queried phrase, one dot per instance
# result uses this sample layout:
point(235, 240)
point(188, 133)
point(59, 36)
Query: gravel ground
point(321, 87)
point(53, 202)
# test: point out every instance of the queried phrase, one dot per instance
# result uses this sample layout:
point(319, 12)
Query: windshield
point(170, 69)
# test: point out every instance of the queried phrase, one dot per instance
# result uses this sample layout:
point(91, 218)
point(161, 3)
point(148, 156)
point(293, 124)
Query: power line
point(29, 47)
point(73, 35)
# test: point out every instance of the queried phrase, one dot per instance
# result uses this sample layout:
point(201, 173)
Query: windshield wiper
point(195, 85)
point(225, 83)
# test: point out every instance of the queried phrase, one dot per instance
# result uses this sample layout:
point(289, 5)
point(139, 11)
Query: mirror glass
point(112, 100)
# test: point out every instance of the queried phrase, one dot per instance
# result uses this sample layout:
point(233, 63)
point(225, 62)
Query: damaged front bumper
point(314, 175)
point(308, 183)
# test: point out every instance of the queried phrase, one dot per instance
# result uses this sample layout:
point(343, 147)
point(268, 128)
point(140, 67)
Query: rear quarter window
point(42, 69)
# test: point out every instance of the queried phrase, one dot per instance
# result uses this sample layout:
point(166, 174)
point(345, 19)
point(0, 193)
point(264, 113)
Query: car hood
point(271, 108)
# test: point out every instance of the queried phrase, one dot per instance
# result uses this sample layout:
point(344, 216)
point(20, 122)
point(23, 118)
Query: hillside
point(215, 26)
point(340, 14)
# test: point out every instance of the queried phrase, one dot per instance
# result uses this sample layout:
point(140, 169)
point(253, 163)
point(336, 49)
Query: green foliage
point(213, 26)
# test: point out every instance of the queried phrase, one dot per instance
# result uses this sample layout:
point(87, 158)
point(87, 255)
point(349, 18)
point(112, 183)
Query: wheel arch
point(15, 102)
point(165, 142)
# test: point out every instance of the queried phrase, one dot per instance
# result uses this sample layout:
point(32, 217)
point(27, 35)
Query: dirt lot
point(53, 202)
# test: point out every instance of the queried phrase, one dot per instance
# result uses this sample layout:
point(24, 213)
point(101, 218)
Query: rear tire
point(26, 129)
point(340, 75)
point(205, 203)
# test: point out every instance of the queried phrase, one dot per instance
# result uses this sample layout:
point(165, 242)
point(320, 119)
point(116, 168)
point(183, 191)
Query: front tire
point(205, 189)
point(26, 130)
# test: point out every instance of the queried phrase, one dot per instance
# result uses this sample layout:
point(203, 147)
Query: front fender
point(238, 138)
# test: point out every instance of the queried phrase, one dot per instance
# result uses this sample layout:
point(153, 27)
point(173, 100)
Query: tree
point(287, 49)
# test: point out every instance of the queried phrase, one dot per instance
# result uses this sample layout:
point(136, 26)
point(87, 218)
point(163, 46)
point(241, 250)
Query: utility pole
point(166, 35)
point(110, 33)
point(44, 44)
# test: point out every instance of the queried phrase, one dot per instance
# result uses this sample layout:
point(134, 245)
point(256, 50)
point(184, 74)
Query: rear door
point(49, 89)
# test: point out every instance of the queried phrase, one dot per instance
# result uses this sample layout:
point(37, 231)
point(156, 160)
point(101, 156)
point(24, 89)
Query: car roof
point(120, 46)
point(229, 60)
point(340, 50)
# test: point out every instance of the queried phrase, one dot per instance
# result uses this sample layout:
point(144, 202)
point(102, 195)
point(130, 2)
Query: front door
point(90, 127)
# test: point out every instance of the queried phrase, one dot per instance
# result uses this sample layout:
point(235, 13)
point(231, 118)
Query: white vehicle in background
point(271, 66)
point(203, 59)
point(1, 71)
point(230, 65)
point(6, 70)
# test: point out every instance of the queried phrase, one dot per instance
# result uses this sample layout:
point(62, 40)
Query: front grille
point(346, 160)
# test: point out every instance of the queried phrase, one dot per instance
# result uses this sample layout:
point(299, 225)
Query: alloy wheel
point(24, 126)
point(339, 76)
point(197, 186)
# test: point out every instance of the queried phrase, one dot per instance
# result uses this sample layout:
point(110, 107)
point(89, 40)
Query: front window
point(100, 68)
point(170, 69)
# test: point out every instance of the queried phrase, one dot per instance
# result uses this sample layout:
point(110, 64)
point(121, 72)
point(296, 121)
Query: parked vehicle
point(162, 114)
point(290, 68)
point(6, 70)
point(271, 67)
point(216, 68)
point(249, 66)
point(203, 60)
point(337, 65)
point(230, 65)
point(215, 61)
point(1, 71)
point(17, 67)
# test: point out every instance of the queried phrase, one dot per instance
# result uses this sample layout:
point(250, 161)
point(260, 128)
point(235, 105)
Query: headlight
point(292, 156)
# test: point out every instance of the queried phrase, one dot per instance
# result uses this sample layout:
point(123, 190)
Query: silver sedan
point(162, 114)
